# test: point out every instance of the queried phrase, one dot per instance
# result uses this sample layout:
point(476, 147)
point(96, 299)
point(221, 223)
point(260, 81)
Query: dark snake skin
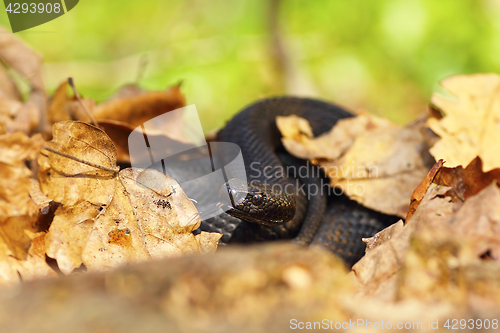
point(345, 222)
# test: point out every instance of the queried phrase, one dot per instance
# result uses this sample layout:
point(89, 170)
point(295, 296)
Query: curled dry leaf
point(422, 188)
point(63, 107)
point(161, 142)
point(70, 181)
point(118, 117)
point(40, 199)
point(107, 219)
point(464, 182)
point(133, 108)
point(446, 250)
point(373, 161)
point(137, 108)
point(471, 125)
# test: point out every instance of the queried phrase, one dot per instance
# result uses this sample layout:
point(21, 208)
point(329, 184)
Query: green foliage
point(385, 56)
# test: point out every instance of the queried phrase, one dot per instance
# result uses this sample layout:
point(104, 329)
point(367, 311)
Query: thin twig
point(77, 95)
point(52, 150)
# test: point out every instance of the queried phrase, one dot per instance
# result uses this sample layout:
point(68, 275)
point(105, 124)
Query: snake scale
point(332, 221)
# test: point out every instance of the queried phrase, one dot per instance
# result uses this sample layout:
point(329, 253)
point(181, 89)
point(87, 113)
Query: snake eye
point(257, 199)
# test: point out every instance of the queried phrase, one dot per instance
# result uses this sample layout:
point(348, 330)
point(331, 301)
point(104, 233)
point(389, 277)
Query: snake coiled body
point(254, 131)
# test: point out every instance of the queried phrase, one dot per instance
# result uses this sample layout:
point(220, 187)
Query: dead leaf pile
point(448, 250)
point(66, 199)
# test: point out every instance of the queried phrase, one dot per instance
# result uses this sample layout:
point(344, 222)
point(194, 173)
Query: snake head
point(257, 202)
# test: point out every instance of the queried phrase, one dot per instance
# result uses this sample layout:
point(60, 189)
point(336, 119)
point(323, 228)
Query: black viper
point(339, 228)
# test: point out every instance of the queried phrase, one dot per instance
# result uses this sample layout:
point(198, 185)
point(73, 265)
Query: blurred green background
point(385, 56)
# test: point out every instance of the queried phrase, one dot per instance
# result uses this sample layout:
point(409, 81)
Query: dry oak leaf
point(148, 217)
point(471, 125)
point(373, 161)
point(419, 192)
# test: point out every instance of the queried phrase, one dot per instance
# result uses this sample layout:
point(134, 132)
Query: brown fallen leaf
point(421, 189)
point(135, 109)
point(373, 161)
point(140, 223)
point(70, 181)
point(469, 181)
point(471, 125)
point(161, 142)
point(107, 219)
point(464, 182)
point(16, 148)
